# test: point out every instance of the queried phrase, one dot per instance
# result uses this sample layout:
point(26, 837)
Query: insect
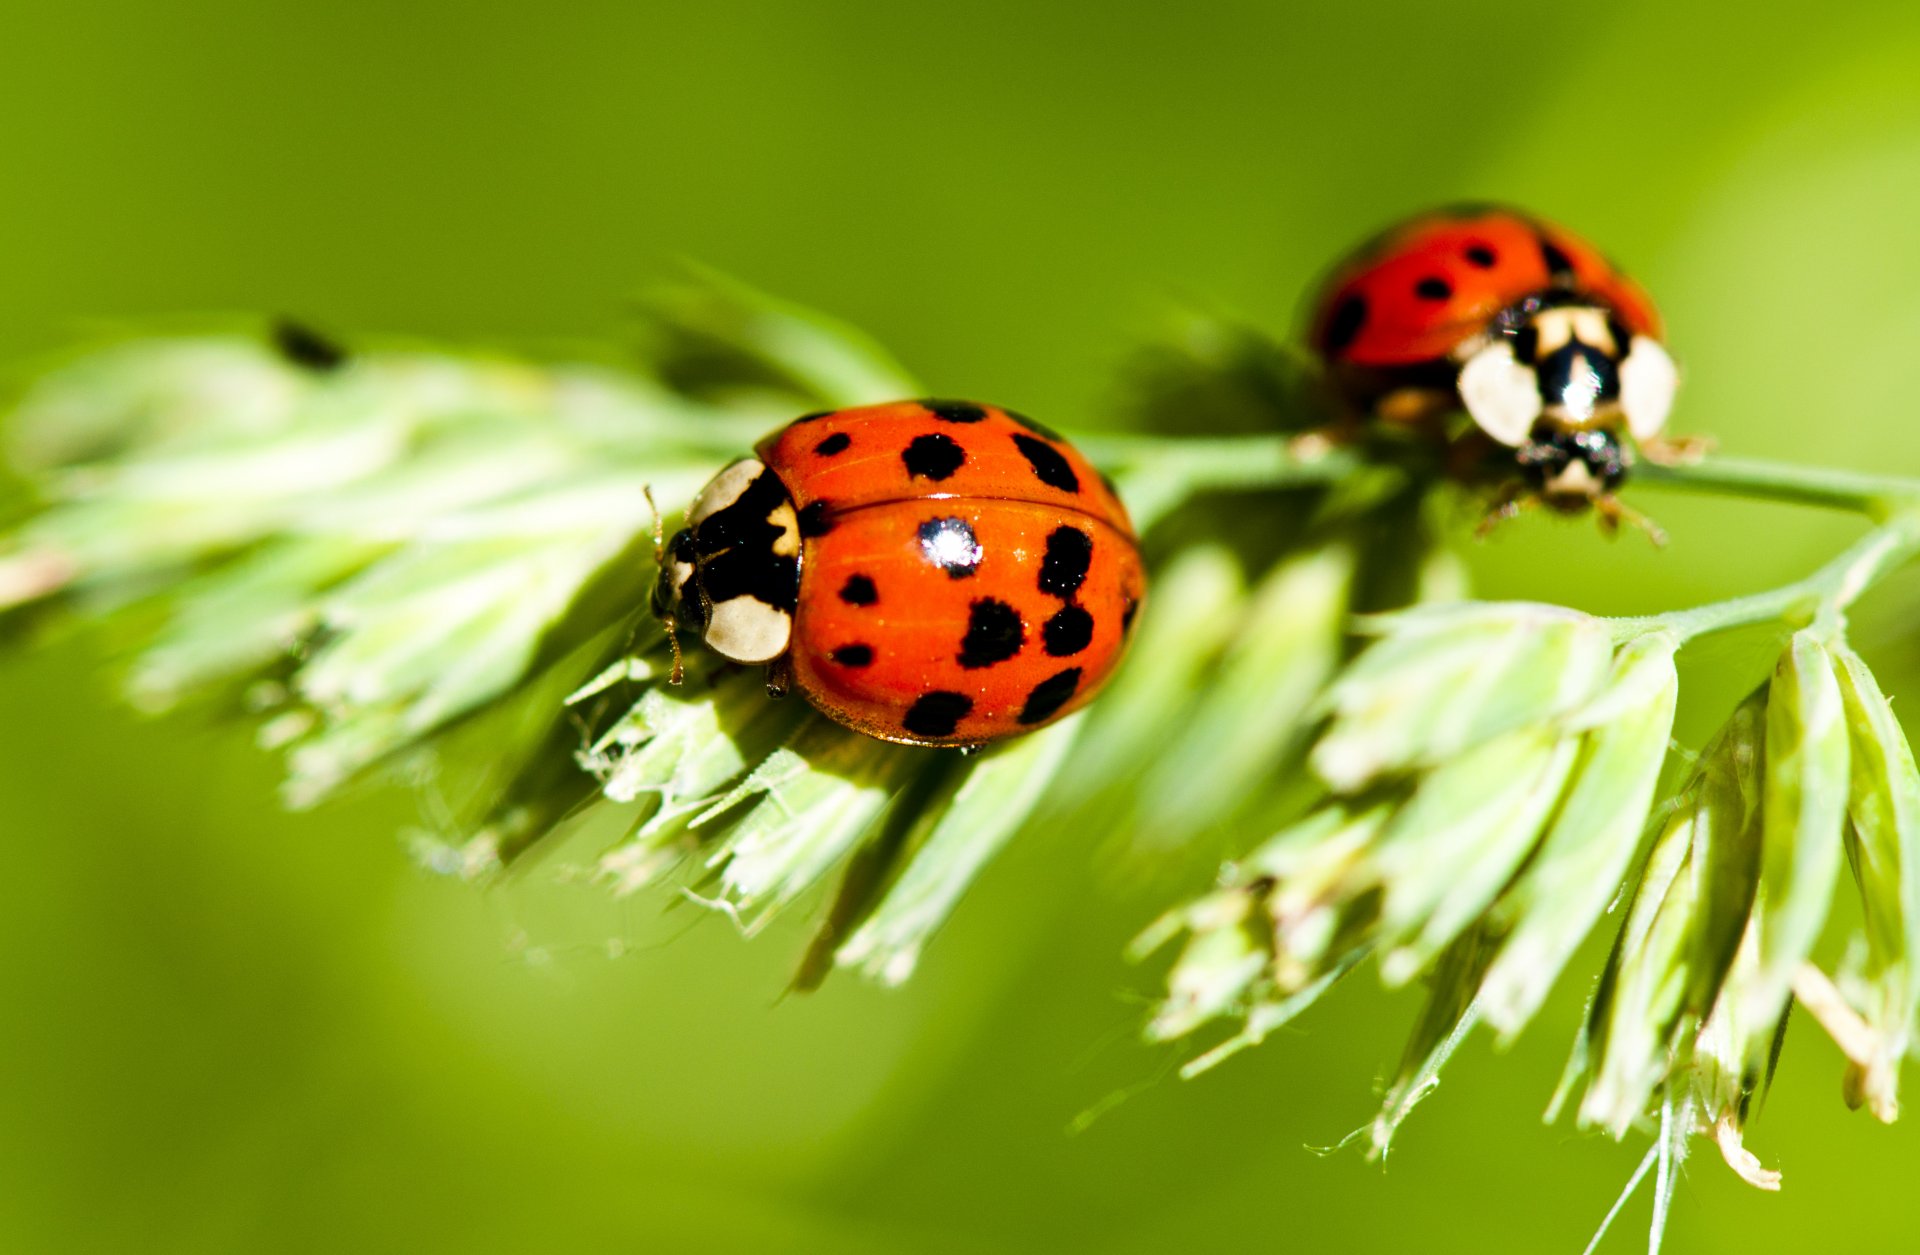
point(1551, 351)
point(928, 572)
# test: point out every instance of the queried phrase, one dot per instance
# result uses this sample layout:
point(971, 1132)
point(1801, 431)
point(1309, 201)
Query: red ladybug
point(929, 572)
point(1551, 351)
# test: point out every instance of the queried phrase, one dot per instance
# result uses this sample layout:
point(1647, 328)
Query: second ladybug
point(928, 572)
point(1553, 353)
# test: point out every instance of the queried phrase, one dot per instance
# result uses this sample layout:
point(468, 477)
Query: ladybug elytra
point(927, 572)
point(1553, 353)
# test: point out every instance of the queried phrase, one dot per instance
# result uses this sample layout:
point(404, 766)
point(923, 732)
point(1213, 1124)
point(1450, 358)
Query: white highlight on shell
point(1582, 390)
point(948, 547)
point(746, 629)
point(1648, 380)
point(1501, 394)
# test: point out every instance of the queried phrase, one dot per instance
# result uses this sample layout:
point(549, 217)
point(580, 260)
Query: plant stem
point(1872, 495)
point(1831, 589)
point(1211, 463)
point(1159, 472)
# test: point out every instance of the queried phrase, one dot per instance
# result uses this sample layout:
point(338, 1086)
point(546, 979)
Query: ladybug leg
point(1514, 500)
point(779, 677)
point(679, 672)
point(1415, 407)
point(1612, 512)
point(1676, 450)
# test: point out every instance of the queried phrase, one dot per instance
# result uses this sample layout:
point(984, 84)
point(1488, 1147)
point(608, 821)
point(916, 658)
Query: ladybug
point(926, 572)
point(1551, 351)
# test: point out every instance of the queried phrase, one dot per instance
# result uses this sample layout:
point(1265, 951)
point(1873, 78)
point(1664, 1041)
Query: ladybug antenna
point(1613, 512)
point(679, 672)
point(1513, 502)
point(659, 527)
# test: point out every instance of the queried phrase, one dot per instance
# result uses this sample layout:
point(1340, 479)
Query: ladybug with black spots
point(1556, 356)
point(926, 572)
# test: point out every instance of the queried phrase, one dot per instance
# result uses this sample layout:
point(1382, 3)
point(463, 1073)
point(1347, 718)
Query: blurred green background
point(233, 1029)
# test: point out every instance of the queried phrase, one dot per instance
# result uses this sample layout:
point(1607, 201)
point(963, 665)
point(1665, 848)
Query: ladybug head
point(1570, 468)
point(1568, 363)
point(732, 575)
point(676, 600)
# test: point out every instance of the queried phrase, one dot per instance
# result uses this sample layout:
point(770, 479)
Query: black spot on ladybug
point(955, 411)
point(836, 443)
point(303, 346)
point(1068, 632)
point(1433, 289)
point(1064, 568)
point(814, 520)
point(937, 713)
point(994, 634)
point(814, 417)
point(853, 655)
point(859, 591)
point(951, 545)
point(1481, 256)
point(1035, 426)
point(1048, 696)
point(1049, 465)
point(1559, 265)
point(1343, 325)
point(1126, 615)
point(933, 457)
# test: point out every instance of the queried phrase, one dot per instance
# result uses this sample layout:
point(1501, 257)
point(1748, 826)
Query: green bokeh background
point(228, 1028)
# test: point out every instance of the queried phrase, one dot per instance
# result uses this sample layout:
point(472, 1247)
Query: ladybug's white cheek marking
point(1501, 394)
point(1576, 482)
point(724, 489)
point(681, 577)
point(1648, 379)
point(746, 629)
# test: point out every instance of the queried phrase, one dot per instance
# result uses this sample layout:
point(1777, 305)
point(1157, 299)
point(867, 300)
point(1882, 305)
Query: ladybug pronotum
point(927, 572)
point(1553, 353)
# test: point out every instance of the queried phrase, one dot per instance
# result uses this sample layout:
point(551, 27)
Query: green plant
point(406, 560)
